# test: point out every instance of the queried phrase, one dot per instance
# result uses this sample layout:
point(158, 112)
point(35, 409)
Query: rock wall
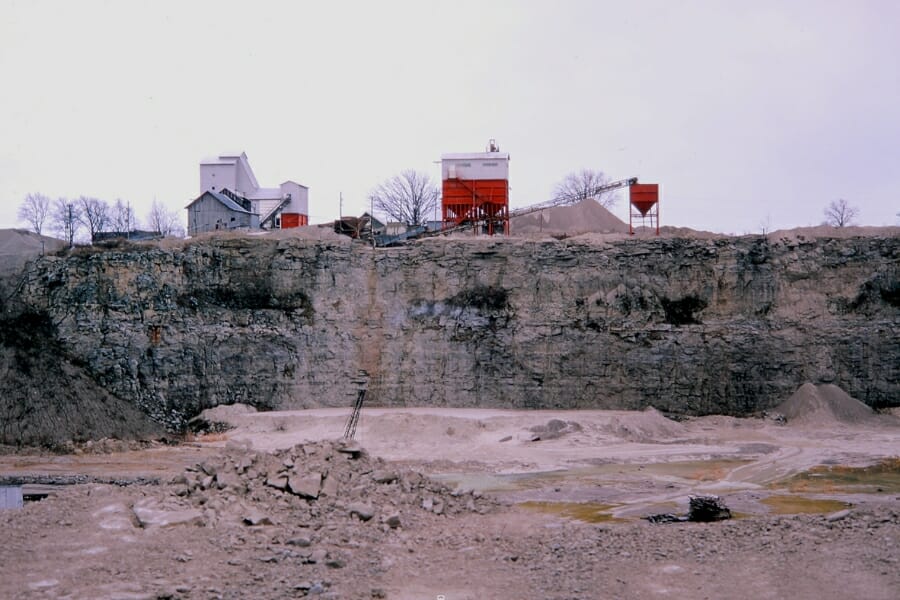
point(729, 325)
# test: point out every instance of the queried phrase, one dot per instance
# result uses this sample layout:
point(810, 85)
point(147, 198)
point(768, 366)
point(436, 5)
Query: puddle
point(882, 477)
point(694, 470)
point(589, 512)
point(794, 505)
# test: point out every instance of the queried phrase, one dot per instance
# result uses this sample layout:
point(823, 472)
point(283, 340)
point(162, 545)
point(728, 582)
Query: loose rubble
point(312, 484)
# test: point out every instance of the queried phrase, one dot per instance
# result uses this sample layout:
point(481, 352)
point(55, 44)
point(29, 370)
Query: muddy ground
point(537, 504)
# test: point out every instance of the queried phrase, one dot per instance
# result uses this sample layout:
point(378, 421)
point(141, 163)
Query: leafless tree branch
point(34, 210)
point(163, 220)
point(408, 197)
point(94, 214)
point(121, 218)
point(583, 184)
point(840, 214)
point(65, 219)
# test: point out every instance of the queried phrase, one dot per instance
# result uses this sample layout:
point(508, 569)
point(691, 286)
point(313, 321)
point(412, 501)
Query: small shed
point(215, 211)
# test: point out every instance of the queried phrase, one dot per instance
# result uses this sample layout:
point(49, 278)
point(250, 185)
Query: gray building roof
point(225, 200)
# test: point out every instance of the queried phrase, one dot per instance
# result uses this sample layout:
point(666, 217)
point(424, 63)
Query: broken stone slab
point(317, 556)
point(306, 486)
point(838, 516)
point(278, 481)
point(351, 449)
point(150, 514)
point(228, 479)
point(115, 517)
point(384, 476)
point(428, 504)
point(330, 487)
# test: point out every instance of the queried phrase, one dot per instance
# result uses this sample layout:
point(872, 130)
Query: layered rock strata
point(731, 325)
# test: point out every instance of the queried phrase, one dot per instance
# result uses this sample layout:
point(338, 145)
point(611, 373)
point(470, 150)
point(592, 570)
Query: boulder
point(305, 486)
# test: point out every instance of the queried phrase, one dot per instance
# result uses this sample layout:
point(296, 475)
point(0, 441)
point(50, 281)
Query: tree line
point(71, 219)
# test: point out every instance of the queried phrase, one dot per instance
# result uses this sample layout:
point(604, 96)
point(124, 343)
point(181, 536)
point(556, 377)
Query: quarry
point(178, 407)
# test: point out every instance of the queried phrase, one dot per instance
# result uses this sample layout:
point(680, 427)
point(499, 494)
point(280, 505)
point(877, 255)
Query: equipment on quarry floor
point(702, 509)
point(644, 205)
point(350, 429)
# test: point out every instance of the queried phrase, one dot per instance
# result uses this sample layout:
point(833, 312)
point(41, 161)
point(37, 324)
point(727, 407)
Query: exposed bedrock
point(688, 326)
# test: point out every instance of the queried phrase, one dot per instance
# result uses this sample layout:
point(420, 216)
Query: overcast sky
point(748, 114)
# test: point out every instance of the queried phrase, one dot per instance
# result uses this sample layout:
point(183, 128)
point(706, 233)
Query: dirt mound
point(325, 482)
point(649, 425)
point(18, 246)
point(47, 400)
point(586, 216)
point(823, 405)
point(827, 231)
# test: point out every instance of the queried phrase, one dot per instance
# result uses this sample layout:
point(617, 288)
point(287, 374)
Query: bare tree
point(163, 220)
point(121, 217)
point(583, 184)
point(94, 215)
point(34, 210)
point(408, 197)
point(65, 219)
point(840, 214)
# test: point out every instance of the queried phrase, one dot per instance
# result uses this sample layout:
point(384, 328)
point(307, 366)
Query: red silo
point(475, 190)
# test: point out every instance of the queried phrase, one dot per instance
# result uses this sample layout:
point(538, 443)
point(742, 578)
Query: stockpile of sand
point(586, 216)
point(649, 425)
point(823, 405)
point(18, 246)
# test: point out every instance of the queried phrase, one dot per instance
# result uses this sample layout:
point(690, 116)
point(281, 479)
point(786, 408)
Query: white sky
point(749, 114)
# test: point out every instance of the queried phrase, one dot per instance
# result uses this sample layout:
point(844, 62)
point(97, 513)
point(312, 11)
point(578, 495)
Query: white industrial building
point(230, 175)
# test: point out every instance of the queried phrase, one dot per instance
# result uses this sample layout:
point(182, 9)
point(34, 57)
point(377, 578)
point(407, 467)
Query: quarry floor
point(817, 510)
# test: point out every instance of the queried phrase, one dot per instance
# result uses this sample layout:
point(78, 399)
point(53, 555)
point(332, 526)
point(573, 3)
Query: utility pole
point(341, 206)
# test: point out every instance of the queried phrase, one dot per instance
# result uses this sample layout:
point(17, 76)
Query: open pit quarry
point(530, 403)
point(688, 326)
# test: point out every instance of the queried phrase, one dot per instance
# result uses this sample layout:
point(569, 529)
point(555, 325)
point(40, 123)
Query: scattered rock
point(363, 511)
point(306, 486)
point(150, 514)
point(384, 476)
point(255, 517)
point(301, 542)
point(838, 516)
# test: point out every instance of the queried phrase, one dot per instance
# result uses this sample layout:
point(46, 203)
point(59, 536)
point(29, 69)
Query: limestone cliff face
point(689, 326)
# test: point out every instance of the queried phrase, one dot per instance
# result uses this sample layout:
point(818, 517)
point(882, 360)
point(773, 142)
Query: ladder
point(350, 429)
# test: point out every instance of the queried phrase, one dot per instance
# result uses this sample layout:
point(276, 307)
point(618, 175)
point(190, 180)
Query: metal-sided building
point(475, 190)
point(283, 207)
point(214, 211)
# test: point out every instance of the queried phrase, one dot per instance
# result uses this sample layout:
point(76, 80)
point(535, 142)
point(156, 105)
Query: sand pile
point(18, 246)
point(586, 216)
point(649, 425)
point(823, 405)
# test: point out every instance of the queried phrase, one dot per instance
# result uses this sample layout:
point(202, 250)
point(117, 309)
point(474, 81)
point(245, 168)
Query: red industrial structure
point(476, 190)
point(644, 205)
